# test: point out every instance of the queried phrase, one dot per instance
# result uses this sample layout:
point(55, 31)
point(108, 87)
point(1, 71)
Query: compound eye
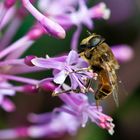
point(82, 48)
point(93, 42)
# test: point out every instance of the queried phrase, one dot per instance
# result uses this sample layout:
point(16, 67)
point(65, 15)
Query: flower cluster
point(69, 71)
point(67, 118)
point(67, 66)
point(67, 15)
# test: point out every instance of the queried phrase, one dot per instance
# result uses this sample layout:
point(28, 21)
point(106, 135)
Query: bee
point(103, 62)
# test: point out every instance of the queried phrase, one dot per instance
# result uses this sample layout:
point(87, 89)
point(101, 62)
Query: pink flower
point(122, 52)
point(65, 119)
point(54, 124)
point(68, 15)
point(63, 67)
point(6, 103)
point(50, 26)
point(79, 106)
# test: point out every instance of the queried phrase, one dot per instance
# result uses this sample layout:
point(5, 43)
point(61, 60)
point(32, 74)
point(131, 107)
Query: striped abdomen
point(105, 87)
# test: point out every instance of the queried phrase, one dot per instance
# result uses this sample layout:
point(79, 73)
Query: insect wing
point(113, 81)
point(115, 94)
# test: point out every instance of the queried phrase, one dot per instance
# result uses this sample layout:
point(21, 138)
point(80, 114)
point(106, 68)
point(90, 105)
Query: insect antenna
point(88, 32)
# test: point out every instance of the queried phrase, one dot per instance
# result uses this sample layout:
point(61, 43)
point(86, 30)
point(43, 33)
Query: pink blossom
point(63, 67)
point(67, 15)
point(123, 53)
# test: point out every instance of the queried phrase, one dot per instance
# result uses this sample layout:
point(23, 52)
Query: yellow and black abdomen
point(104, 87)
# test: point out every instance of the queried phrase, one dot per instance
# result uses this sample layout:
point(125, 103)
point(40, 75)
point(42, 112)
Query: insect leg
point(66, 91)
point(97, 104)
point(81, 70)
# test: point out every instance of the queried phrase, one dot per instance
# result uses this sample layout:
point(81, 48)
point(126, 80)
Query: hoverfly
point(102, 61)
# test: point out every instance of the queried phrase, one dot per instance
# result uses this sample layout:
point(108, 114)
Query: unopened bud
point(30, 89)
point(9, 3)
point(47, 86)
point(28, 59)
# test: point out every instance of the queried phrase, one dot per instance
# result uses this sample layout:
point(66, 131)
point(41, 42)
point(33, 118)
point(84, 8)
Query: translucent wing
point(113, 81)
point(115, 94)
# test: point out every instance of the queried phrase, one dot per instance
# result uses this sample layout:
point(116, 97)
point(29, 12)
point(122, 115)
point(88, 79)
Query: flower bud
point(9, 3)
point(30, 89)
point(47, 86)
point(28, 59)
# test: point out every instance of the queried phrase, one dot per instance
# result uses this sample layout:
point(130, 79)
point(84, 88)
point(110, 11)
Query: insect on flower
point(102, 61)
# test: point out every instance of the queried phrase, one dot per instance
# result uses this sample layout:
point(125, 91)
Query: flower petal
point(85, 18)
point(74, 83)
point(72, 57)
point(9, 92)
point(60, 77)
point(47, 63)
point(84, 119)
point(8, 105)
point(1, 98)
point(123, 52)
